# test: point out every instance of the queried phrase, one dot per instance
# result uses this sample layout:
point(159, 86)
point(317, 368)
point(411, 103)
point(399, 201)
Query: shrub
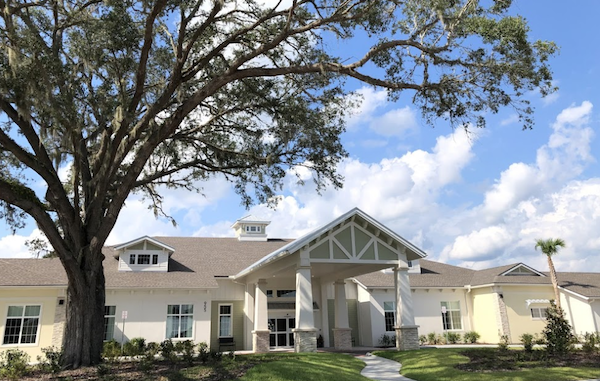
point(134, 347)
point(422, 339)
point(558, 331)
point(387, 340)
point(432, 338)
point(216, 356)
point(186, 348)
point(589, 342)
point(14, 364)
point(102, 370)
point(203, 352)
point(452, 337)
point(111, 350)
point(168, 351)
point(152, 349)
point(51, 360)
point(527, 340)
point(471, 337)
point(503, 343)
point(539, 339)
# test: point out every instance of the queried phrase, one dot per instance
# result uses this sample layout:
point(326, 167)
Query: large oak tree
point(133, 95)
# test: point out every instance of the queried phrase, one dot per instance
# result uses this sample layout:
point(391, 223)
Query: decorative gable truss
point(144, 254)
point(354, 243)
point(522, 269)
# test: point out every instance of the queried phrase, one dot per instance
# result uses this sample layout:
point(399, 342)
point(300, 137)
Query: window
point(109, 322)
point(143, 259)
point(132, 259)
point(180, 321)
point(252, 229)
point(451, 319)
point(22, 324)
point(286, 293)
point(155, 259)
point(225, 320)
point(389, 314)
point(269, 293)
point(539, 313)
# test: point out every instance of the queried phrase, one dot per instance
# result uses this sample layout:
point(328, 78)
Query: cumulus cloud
point(14, 246)
point(397, 122)
point(480, 244)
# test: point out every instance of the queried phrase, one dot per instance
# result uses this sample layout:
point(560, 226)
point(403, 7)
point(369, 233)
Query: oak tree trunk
point(84, 330)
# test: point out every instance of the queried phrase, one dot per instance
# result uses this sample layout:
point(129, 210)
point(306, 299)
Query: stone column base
point(407, 337)
point(342, 338)
point(260, 340)
point(305, 340)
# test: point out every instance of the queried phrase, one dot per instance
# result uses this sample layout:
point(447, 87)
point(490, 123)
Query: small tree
point(558, 331)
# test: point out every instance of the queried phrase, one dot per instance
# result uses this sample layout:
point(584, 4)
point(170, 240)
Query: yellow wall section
point(47, 298)
point(484, 314)
point(519, 314)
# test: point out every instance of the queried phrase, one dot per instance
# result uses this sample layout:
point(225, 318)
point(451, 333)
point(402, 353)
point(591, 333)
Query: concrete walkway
point(381, 369)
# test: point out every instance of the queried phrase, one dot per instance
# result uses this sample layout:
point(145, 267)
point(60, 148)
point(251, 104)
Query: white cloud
point(13, 246)
point(396, 122)
point(481, 244)
point(512, 119)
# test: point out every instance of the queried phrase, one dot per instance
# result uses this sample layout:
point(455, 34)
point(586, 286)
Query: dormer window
point(252, 229)
point(144, 254)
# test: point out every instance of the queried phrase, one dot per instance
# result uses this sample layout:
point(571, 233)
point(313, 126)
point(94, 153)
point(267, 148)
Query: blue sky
point(476, 202)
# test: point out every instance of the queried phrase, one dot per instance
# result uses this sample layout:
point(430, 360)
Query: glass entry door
point(281, 332)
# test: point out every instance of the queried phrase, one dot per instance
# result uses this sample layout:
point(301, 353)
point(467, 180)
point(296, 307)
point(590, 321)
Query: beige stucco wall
point(484, 312)
point(428, 309)
point(47, 298)
point(582, 314)
point(519, 314)
point(147, 312)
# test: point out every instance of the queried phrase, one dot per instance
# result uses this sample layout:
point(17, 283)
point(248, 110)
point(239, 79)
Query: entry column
point(407, 334)
point(305, 333)
point(261, 332)
point(342, 333)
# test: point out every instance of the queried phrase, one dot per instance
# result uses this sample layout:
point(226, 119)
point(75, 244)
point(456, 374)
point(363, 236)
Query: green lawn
point(307, 367)
point(438, 365)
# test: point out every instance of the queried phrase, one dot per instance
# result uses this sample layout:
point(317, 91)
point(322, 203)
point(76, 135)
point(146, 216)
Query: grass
point(307, 367)
point(439, 365)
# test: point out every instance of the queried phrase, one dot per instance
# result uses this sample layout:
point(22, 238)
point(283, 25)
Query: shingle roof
point(433, 274)
point(195, 263)
point(586, 284)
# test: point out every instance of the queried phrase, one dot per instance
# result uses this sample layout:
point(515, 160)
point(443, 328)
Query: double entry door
point(281, 331)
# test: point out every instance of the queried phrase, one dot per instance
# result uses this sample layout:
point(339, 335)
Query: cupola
point(250, 228)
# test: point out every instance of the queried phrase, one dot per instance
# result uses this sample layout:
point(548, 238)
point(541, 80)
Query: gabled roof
point(297, 244)
point(518, 270)
point(142, 239)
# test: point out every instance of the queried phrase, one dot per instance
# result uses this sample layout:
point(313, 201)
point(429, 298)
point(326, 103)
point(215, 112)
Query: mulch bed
point(494, 360)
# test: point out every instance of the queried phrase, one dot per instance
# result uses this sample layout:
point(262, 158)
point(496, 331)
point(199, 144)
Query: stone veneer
point(407, 338)
point(342, 338)
point(305, 340)
point(502, 317)
point(260, 340)
point(60, 316)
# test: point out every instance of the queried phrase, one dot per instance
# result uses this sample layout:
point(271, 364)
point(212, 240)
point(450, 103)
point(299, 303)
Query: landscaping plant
point(13, 364)
point(558, 331)
point(471, 337)
point(527, 340)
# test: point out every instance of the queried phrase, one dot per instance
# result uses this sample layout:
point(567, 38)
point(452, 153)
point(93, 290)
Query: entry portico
point(315, 268)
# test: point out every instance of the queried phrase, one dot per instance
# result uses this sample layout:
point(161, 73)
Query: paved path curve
point(381, 369)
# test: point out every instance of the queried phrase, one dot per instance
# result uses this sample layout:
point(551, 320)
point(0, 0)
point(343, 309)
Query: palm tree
point(550, 247)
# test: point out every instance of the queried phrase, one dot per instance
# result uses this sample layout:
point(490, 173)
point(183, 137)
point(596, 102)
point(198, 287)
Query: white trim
point(37, 333)
point(141, 239)
point(537, 301)
point(219, 319)
point(519, 265)
point(193, 314)
point(296, 245)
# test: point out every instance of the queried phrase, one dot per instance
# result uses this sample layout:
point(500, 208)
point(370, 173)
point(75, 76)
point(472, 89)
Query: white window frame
point(230, 314)
point(541, 313)
point(38, 328)
point(448, 311)
point(180, 315)
point(253, 229)
point(136, 259)
point(393, 311)
point(114, 317)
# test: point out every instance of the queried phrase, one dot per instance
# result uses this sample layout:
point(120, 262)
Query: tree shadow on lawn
point(308, 367)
